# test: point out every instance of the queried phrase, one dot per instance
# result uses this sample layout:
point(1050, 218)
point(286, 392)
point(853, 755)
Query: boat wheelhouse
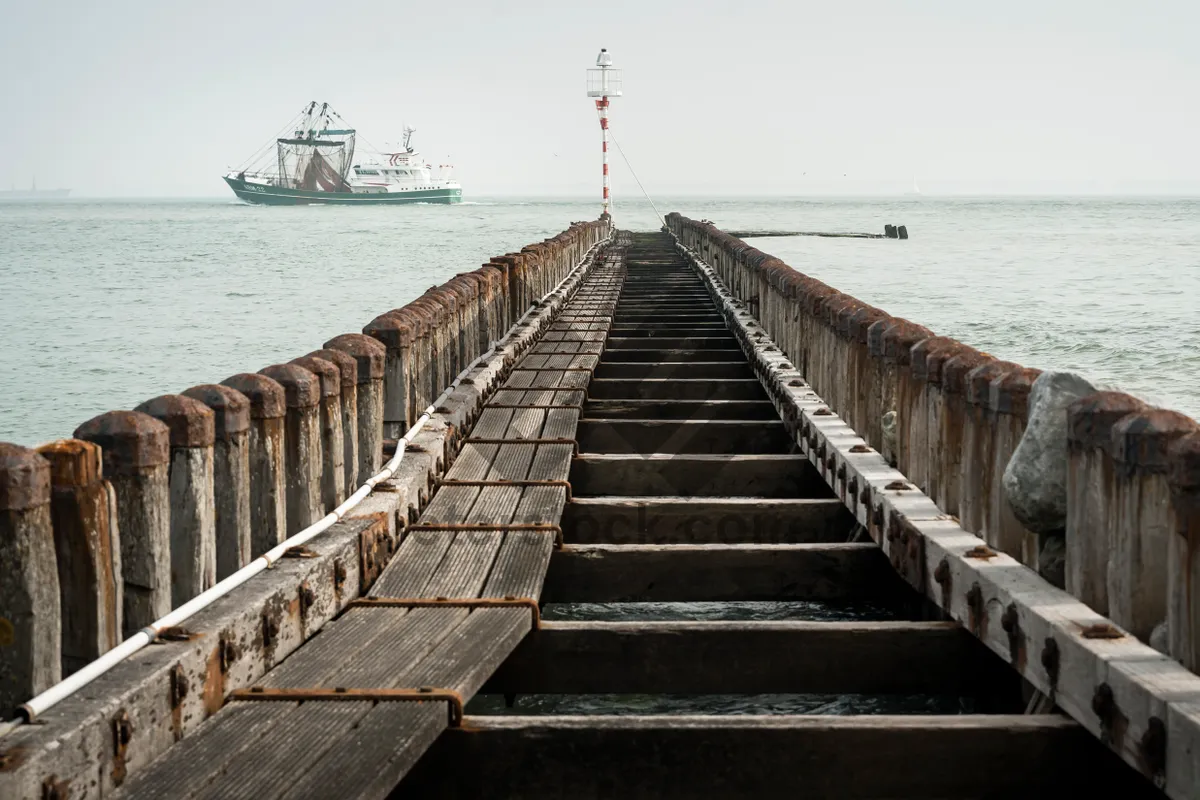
point(316, 162)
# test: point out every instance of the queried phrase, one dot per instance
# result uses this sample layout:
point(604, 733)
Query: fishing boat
point(315, 161)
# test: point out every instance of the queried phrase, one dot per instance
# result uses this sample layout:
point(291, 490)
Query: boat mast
point(604, 83)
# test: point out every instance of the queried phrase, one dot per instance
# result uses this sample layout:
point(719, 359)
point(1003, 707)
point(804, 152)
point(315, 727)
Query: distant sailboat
point(916, 190)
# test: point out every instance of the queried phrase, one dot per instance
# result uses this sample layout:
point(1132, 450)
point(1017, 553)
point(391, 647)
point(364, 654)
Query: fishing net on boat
point(316, 160)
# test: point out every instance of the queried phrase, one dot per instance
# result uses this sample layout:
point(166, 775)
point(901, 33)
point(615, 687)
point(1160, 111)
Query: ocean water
point(108, 303)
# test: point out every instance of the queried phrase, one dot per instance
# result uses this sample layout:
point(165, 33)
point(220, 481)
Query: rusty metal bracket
point(452, 602)
point(561, 353)
point(421, 695)
point(551, 369)
point(520, 484)
point(541, 527)
point(491, 440)
point(538, 406)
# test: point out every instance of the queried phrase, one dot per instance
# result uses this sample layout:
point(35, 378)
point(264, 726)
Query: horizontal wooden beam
point(717, 573)
point(679, 369)
point(691, 520)
point(696, 475)
point(742, 658)
point(677, 355)
point(811, 757)
point(673, 342)
point(681, 409)
point(683, 436)
point(747, 388)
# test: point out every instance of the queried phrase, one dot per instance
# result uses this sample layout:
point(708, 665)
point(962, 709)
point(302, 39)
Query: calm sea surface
point(107, 303)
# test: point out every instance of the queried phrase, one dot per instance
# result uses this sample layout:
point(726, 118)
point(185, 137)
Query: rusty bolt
point(879, 516)
point(865, 497)
point(339, 575)
point(1009, 620)
point(1050, 659)
point(897, 486)
point(54, 789)
point(179, 686)
point(841, 472)
point(980, 551)
point(307, 598)
point(795, 382)
point(1104, 704)
point(1101, 630)
point(852, 487)
point(941, 573)
point(975, 603)
point(822, 412)
point(226, 654)
point(860, 448)
point(270, 629)
point(122, 732)
point(1154, 746)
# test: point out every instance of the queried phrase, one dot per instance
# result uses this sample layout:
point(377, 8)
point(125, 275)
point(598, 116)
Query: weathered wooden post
point(268, 495)
point(396, 332)
point(348, 372)
point(87, 542)
point(333, 468)
point(975, 486)
point(30, 622)
point(1138, 555)
point(955, 413)
point(370, 356)
point(136, 451)
point(935, 410)
point(898, 341)
point(231, 474)
point(1183, 559)
point(302, 464)
point(1090, 492)
point(920, 392)
point(193, 524)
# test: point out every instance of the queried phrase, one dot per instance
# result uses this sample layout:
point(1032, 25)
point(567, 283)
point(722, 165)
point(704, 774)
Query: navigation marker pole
point(602, 84)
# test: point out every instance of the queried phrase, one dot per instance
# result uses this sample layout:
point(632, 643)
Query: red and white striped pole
point(604, 83)
point(602, 107)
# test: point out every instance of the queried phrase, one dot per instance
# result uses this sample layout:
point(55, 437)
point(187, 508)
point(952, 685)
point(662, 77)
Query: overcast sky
point(158, 98)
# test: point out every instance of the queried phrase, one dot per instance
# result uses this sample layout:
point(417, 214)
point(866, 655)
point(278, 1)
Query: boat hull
point(278, 196)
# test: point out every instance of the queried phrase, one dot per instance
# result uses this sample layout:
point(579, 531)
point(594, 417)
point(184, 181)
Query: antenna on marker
point(603, 83)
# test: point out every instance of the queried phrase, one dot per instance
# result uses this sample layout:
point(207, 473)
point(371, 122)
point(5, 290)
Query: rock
point(1052, 559)
point(1035, 480)
point(1159, 639)
point(889, 434)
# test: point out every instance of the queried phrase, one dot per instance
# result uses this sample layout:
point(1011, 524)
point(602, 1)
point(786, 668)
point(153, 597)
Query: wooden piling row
point(950, 417)
point(103, 534)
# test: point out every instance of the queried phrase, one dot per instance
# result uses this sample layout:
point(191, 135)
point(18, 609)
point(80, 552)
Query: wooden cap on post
point(329, 377)
point(346, 364)
point(130, 440)
point(189, 420)
point(1090, 419)
point(231, 408)
point(301, 388)
point(24, 478)
point(265, 395)
point(368, 352)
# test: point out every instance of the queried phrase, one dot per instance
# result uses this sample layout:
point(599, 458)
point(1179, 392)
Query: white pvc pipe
point(30, 710)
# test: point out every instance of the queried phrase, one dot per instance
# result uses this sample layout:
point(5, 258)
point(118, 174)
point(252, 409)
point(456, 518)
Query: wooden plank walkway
point(487, 534)
point(688, 487)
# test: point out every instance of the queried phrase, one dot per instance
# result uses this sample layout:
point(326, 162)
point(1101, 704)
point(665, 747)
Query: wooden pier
point(649, 432)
